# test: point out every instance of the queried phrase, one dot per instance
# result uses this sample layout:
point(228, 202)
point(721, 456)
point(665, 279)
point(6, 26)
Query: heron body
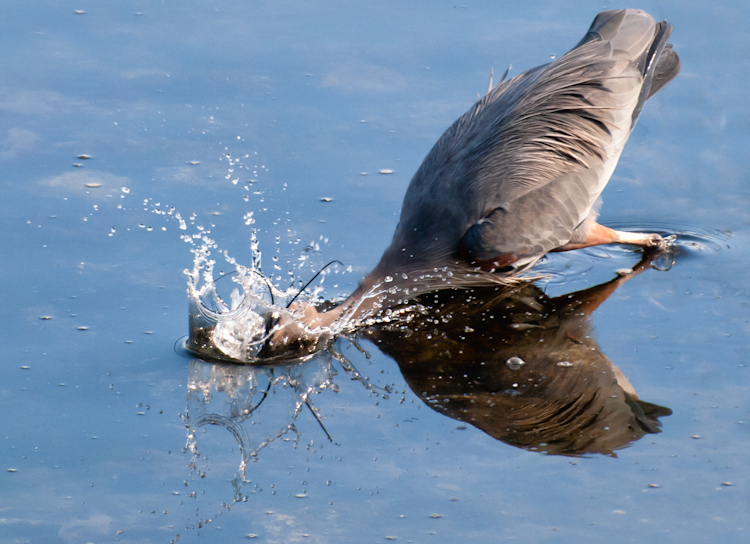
point(520, 174)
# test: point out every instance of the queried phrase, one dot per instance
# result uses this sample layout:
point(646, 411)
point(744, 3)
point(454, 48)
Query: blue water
point(98, 404)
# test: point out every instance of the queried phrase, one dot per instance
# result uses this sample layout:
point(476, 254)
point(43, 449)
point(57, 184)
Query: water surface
point(108, 433)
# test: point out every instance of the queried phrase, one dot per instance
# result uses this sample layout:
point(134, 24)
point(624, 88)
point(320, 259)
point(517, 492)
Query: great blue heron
point(519, 174)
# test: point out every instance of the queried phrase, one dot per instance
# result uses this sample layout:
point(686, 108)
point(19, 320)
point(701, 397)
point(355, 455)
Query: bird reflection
point(519, 365)
point(522, 367)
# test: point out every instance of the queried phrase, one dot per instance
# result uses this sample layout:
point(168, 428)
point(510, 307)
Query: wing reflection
point(522, 367)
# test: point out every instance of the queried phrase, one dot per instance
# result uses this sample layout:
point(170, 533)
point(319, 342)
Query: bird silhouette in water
point(521, 366)
point(517, 176)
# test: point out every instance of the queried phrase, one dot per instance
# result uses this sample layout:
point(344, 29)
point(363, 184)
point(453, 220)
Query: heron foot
point(661, 255)
point(656, 241)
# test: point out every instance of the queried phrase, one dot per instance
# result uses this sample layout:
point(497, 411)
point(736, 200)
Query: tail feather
point(650, 66)
point(645, 42)
point(667, 67)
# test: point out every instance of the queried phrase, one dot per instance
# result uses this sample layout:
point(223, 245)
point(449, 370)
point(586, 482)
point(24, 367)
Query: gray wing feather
point(666, 70)
point(559, 134)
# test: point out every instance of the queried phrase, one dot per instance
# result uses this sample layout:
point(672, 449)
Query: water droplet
point(565, 363)
point(388, 279)
point(125, 190)
point(386, 171)
point(326, 199)
point(514, 363)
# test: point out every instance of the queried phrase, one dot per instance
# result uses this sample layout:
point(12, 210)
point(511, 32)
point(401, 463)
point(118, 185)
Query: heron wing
point(538, 150)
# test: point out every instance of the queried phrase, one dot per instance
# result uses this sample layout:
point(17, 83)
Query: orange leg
point(600, 234)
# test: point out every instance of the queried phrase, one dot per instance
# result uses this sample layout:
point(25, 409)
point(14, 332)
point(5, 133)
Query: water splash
point(238, 327)
point(235, 330)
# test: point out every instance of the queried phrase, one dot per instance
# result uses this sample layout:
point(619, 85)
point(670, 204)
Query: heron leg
point(599, 234)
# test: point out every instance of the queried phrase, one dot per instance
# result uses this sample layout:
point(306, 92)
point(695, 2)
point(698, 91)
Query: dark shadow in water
point(522, 367)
